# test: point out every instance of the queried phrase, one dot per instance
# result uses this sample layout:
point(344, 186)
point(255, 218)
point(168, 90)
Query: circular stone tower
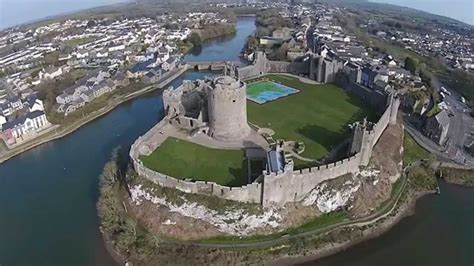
point(227, 107)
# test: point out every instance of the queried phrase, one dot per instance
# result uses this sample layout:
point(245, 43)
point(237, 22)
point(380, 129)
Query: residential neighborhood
point(22, 119)
point(96, 57)
point(236, 132)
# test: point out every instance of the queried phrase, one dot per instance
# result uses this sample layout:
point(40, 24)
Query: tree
point(195, 39)
point(410, 64)
point(52, 58)
point(91, 23)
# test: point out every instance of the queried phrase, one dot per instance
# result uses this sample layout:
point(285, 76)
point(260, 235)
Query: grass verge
point(413, 152)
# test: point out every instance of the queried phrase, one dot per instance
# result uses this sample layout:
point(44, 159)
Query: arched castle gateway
point(207, 108)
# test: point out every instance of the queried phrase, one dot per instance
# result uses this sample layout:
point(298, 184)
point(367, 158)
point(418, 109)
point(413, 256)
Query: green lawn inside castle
point(317, 115)
point(180, 158)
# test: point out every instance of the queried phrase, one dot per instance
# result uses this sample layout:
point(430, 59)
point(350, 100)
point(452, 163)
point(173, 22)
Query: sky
point(462, 10)
point(14, 12)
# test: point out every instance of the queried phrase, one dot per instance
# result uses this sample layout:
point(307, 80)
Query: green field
point(318, 115)
point(79, 41)
point(413, 152)
point(183, 159)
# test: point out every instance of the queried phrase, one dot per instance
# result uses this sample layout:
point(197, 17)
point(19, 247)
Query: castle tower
point(320, 70)
point(313, 67)
point(361, 141)
point(227, 107)
point(394, 105)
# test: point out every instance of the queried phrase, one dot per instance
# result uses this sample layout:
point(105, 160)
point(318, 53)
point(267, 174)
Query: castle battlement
point(222, 107)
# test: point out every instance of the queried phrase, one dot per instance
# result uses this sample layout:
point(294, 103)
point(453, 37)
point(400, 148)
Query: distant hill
point(394, 9)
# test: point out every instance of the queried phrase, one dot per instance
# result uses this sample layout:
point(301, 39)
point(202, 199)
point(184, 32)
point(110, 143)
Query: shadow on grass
point(240, 175)
point(321, 135)
point(366, 110)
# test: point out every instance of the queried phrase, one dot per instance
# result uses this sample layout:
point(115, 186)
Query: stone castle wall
point(375, 98)
point(145, 145)
point(381, 125)
point(250, 193)
point(293, 186)
point(288, 185)
point(261, 65)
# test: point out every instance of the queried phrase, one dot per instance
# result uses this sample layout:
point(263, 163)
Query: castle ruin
point(227, 106)
point(215, 111)
point(216, 107)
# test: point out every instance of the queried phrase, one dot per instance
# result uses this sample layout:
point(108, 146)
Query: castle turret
point(227, 107)
point(361, 141)
point(395, 104)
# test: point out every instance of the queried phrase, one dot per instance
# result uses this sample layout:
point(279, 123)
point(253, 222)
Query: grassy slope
point(412, 151)
point(179, 158)
point(318, 115)
point(79, 41)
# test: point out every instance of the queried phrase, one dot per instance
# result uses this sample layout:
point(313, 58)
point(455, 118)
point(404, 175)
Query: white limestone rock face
point(330, 199)
point(369, 173)
point(235, 222)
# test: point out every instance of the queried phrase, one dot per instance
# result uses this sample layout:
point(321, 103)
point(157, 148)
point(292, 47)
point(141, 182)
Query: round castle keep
point(227, 107)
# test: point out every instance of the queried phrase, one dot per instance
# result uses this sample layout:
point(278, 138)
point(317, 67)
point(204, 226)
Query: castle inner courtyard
point(317, 116)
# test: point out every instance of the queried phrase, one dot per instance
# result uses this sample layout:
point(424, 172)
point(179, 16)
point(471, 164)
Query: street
point(461, 128)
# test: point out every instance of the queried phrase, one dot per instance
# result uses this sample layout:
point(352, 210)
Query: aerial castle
point(213, 112)
point(216, 107)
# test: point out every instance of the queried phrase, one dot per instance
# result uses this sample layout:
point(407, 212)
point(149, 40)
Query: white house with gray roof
point(437, 126)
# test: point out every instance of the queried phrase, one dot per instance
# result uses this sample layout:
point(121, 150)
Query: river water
point(48, 194)
point(441, 233)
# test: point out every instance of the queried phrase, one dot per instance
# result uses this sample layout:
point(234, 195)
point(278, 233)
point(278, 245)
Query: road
point(461, 127)
point(460, 132)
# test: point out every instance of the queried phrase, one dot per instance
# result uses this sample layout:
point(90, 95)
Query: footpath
point(389, 209)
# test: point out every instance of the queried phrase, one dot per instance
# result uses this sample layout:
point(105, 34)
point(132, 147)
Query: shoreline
point(66, 130)
point(118, 258)
point(401, 210)
point(406, 209)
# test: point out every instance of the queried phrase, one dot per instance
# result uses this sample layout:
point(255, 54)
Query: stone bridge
point(212, 65)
